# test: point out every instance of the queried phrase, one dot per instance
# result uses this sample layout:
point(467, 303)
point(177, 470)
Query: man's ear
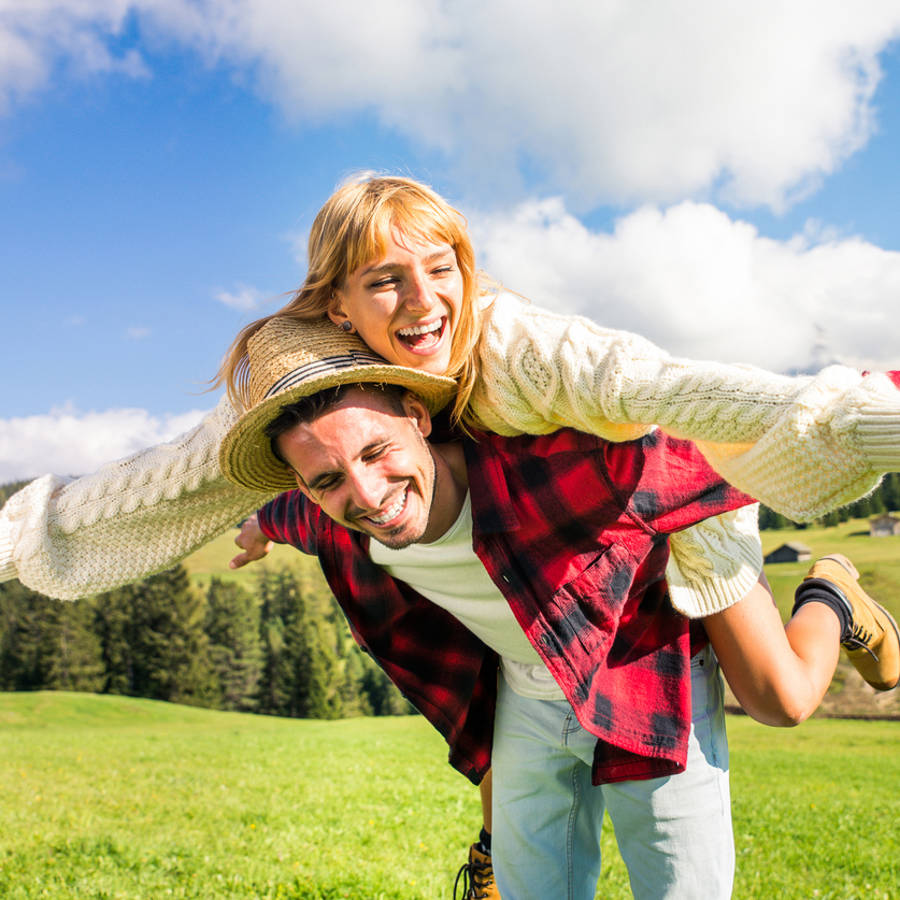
point(416, 410)
point(301, 486)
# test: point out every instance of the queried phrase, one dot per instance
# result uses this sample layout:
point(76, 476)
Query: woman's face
point(405, 305)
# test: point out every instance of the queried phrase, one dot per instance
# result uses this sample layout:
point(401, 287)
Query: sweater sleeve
point(131, 518)
point(801, 445)
point(714, 564)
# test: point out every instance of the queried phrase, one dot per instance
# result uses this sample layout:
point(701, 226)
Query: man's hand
point(252, 541)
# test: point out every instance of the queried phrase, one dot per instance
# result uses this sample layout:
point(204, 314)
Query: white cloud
point(703, 285)
point(37, 35)
point(622, 102)
point(70, 442)
point(244, 298)
point(137, 332)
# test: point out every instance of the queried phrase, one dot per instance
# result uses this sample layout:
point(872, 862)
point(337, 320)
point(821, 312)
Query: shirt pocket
point(583, 615)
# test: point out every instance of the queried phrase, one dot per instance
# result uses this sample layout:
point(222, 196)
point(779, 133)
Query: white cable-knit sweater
point(803, 445)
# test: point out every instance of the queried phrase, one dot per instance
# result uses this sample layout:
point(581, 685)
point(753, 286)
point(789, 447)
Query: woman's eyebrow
point(386, 266)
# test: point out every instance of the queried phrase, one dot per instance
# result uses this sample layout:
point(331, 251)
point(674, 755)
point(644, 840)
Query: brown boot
point(477, 877)
point(873, 642)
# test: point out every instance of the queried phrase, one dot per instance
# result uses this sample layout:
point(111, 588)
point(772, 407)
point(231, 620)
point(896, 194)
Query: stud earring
point(347, 326)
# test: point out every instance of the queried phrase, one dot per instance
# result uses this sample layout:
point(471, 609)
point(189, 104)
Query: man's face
point(368, 466)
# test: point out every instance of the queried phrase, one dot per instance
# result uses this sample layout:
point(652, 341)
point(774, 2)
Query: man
point(546, 552)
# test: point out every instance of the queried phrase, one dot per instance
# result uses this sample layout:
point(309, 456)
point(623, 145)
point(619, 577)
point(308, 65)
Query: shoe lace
point(859, 639)
point(476, 879)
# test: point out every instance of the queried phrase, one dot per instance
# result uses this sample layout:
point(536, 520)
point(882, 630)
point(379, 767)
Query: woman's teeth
point(415, 330)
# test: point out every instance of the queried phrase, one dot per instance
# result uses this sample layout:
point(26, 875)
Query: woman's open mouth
point(425, 337)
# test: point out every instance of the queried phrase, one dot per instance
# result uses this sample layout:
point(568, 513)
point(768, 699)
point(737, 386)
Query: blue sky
point(720, 178)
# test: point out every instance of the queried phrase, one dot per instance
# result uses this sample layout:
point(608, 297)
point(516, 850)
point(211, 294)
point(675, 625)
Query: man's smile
point(391, 512)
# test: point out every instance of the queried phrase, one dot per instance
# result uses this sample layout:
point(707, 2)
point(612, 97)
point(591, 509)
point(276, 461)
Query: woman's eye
point(385, 282)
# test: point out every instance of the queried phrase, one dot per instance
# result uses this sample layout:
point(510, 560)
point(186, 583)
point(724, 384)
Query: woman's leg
point(779, 673)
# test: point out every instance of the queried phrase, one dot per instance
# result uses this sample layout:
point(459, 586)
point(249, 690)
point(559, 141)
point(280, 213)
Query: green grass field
point(111, 797)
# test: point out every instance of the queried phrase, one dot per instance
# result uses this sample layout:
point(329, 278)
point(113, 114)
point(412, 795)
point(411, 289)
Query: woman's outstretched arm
point(138, 515)
point(801, 445)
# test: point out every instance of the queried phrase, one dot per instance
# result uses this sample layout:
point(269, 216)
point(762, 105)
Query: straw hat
point(290, 359)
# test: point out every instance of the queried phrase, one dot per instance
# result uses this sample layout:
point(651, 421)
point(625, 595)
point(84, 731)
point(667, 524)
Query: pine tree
point(768, 518)
point(114, 627)
point(77, 663)
point(862, 508)
point(891, 491)
point(275, 681)
point(232, 627)
point(153, 640)
point(302, 675)
point(25, 644)
point(45, 643)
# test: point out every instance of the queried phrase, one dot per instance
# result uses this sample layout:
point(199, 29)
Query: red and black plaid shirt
point(573, 531)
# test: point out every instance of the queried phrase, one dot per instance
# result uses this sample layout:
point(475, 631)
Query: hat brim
point(245, 455)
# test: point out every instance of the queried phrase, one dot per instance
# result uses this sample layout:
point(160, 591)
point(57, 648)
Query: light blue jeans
point(674, 833)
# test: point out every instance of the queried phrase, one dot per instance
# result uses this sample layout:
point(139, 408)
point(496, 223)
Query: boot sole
point(848, 566)
point(893, 625)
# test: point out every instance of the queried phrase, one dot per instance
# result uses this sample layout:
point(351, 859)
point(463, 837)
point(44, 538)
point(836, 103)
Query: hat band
point(322, 367)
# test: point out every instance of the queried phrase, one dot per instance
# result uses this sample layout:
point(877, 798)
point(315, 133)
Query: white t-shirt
point(448, 572)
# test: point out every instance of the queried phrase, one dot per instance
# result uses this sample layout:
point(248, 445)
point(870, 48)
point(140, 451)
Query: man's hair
point(308, 409)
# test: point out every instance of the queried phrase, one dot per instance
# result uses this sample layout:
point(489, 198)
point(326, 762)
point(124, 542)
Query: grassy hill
point(212, 560)
point(112, 797)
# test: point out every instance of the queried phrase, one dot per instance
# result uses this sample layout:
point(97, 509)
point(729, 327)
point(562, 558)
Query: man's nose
point(366, 490)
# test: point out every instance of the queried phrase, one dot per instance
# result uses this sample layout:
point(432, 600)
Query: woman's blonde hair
point(353, 228)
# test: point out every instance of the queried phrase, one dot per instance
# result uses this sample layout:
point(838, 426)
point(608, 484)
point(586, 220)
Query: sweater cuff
point(879, 436)
point(7, 566)
point(715, 564)
point(705, 597)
